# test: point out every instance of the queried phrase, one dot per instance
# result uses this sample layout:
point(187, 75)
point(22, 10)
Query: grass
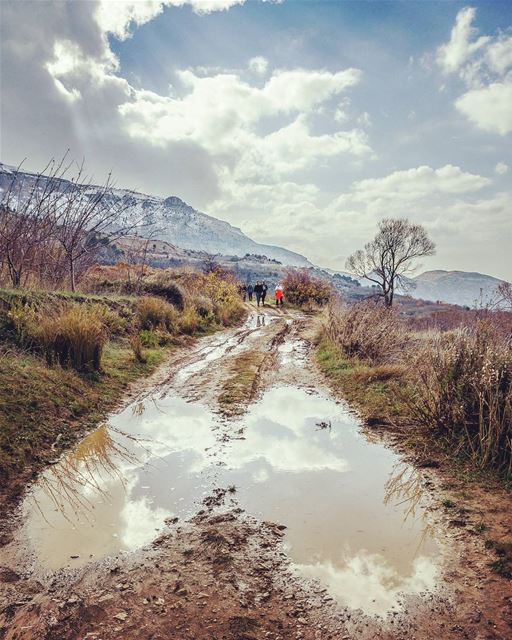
point(238, 389)
point(371, 389)
point(503, 564)
point(66, 359)
point(37, 403)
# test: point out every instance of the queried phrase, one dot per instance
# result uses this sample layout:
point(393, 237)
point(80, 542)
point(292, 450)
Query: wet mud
point(283, 518)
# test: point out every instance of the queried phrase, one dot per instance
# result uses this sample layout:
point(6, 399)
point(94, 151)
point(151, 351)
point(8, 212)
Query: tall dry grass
point(456, 385)
point(75, 338)
point(367, 330)
point(461, 390)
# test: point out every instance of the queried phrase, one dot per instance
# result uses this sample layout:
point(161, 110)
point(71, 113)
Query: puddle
point(355, 516)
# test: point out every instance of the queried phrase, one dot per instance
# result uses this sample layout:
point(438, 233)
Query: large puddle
point(354, 514)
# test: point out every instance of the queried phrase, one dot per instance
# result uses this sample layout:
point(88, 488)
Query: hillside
point(455, 287)
point(172, 220)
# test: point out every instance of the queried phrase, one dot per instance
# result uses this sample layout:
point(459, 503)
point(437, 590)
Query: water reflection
point(355, 517)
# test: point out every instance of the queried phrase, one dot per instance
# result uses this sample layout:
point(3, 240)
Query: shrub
point(305, 290)
point(154, 313)
point(463, 392)
point(74, 338)
point(189, 320)
point(367, 330)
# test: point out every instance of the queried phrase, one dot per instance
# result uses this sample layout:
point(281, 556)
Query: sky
point(303, 123)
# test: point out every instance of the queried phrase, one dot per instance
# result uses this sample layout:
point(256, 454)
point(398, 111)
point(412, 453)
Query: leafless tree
point(88, 217)
point(504, 292)
point(28, 217)
point(390, 257)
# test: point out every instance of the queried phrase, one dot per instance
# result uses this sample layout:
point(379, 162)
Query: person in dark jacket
point(250, 289)
point(264, 290)
point(258, 291)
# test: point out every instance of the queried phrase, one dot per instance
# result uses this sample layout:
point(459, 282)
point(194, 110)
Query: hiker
point(279, 295)
point(264, 290)
point(250, 289)
point(258, 290)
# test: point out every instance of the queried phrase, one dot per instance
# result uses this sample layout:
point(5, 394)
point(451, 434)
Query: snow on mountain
point(172, 220)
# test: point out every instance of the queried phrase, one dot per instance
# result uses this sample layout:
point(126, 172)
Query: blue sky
point(303, 123)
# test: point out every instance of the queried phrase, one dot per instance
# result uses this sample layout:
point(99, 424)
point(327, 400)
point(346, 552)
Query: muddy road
point(235, 498)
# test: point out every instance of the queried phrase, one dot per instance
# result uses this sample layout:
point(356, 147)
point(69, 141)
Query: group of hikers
point(259, 291)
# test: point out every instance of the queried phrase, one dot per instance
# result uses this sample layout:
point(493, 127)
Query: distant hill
point(455, 287)
point(174, 221)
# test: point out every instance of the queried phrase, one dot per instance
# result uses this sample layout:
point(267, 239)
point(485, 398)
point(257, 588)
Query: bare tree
point(390, 257)
point(27, 219)
point(88, 217)
point(504, 292)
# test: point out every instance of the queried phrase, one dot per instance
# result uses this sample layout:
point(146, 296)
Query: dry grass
point(456, 386)
point(156, 313)
point(367, 330)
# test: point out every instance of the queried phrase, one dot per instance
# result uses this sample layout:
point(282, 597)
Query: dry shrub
point(462, 390)
point(221, 290)
point(189, 320)
point(305, 290)
point(73, 338)
point(154, 313)
point(366, 330)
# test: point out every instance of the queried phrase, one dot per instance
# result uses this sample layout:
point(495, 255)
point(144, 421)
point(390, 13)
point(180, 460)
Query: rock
point(121, 616)
point(74, 556)
point(182, 592)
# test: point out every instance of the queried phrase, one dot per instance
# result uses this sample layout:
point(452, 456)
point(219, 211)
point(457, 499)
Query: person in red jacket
point(279, 294)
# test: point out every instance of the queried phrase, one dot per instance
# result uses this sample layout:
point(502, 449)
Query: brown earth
point(224, 575)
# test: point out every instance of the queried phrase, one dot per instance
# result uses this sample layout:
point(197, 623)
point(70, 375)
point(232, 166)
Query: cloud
point(490, 107)
point(120, 16)
point(453, 55)
point(258, 65)
point(501, 168)
point(483, 63)
point(222, 113)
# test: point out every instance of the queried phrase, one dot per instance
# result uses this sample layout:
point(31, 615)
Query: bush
point(74, 338)
point(304, 290)
point(154, 313)
point(462, 390)
point(189, 321)
point(367, 330)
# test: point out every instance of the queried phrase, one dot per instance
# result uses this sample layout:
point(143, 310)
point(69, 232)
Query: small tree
point(390, 257)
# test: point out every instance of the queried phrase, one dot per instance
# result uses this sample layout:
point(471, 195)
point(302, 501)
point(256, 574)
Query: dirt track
point(222, 574)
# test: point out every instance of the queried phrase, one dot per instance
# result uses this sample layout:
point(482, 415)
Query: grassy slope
point(39, 404)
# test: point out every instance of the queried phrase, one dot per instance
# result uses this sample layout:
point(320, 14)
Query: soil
point(224, 575)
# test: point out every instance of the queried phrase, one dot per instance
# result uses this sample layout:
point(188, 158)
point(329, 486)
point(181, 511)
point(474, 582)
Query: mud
point(282, 520)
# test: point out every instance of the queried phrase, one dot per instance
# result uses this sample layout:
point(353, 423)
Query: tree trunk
point(72, 273)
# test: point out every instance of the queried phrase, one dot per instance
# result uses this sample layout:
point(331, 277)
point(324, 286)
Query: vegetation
point(66, 358)
point(305, 290)
point(390, 257)
point(454, 386)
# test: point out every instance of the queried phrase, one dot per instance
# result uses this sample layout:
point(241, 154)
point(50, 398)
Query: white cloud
point(116, 17)
point(419, 182)
point(483, 64)
point(258, 65)
point(453, 55)
point(490, 107)
point(501, 168)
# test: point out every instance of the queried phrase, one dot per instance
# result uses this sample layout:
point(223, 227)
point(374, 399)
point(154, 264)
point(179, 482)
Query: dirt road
point(235, 498)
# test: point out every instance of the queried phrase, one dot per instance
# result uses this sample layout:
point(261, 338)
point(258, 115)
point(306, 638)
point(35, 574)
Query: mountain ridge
point(179, 223)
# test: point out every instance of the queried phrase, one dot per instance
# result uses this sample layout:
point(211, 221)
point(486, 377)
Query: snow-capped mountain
point(172, 220)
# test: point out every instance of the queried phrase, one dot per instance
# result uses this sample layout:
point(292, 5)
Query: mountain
point(172, 220)
point(456, 287)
